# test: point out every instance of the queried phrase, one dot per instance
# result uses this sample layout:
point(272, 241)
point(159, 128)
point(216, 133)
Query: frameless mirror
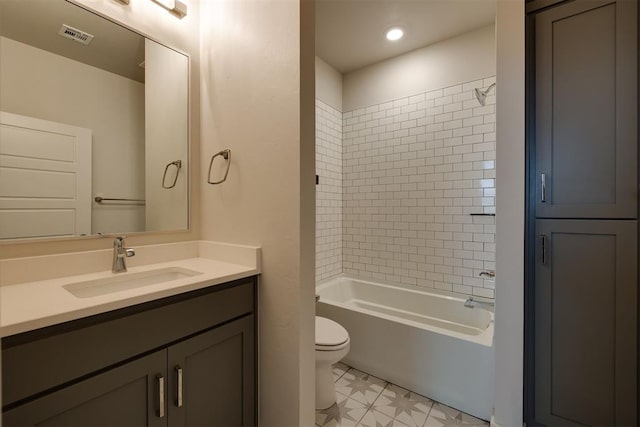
point(93, 125)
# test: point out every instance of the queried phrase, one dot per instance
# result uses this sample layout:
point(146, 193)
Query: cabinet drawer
point(37, 361)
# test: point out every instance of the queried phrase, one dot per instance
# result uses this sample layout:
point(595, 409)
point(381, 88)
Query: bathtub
point(426, 342)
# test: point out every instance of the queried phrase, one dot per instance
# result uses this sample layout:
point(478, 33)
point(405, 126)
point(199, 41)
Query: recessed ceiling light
point(395, 33)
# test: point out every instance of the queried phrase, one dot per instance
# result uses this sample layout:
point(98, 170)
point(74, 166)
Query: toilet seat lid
point(330, 333)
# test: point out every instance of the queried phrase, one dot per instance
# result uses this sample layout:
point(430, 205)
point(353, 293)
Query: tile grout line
point(433, 402)
point(370, 407)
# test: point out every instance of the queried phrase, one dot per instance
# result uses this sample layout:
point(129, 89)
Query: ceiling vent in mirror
point(75, 34)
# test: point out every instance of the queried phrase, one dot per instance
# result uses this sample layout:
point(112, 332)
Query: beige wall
point(183, 34)
point(328, 84)
point(462, 58)
point(77, 94)
point(252, 77)
point(510, 187)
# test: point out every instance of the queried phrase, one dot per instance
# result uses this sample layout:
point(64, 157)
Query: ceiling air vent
point(75, 34)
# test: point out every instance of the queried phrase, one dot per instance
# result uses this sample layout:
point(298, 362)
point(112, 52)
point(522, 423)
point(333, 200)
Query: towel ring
point(226, 154)
point(178, 164)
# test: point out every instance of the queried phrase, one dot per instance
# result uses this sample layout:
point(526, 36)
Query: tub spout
point(471, 303)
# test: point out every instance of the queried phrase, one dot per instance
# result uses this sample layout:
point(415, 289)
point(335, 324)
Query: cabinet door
point(586, 323)
point(586, 110)
point(217, 385)
point(128, 395)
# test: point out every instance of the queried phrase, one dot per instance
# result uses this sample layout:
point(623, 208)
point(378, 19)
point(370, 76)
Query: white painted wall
point(183, 34)
point(77, 94)
point(258, 98)
point(166, 131)
point(463, 58)
point(510, 231)
point(328, 84)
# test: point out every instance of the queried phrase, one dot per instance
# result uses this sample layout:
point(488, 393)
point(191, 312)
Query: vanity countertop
point(37, 304)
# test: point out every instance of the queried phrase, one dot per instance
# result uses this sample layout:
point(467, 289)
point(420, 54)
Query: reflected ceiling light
point(176, 6)
point(395, 33)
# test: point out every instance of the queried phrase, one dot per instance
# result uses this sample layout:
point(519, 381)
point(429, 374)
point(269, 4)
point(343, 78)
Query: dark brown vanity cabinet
point(197, 369)
point(581, 310)
point(122, 396)
point(211, 377)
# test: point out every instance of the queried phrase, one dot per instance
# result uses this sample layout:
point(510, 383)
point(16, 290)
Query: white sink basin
point(124, 281)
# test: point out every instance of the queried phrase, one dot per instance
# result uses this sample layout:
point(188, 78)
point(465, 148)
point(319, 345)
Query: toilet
point(332, 344)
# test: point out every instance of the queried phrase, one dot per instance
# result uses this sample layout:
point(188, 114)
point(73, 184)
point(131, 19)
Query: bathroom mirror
point(93, 125)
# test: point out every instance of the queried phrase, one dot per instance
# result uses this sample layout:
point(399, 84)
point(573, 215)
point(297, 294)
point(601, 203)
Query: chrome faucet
point(471, 303)
point(120, 255)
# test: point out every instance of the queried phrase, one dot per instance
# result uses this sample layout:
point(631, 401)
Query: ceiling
point(350, 34)
point(37, 22)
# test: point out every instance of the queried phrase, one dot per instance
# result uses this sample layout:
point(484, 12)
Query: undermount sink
point(122, 282)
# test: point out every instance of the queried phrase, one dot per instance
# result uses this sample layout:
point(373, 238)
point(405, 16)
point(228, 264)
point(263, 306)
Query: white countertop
point(36, 304)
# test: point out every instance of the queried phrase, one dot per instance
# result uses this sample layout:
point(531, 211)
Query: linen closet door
point(586, 110)
point(585, 323)
point(582, 287)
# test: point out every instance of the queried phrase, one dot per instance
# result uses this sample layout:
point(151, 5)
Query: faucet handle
point(129, 252)
point(119, 241)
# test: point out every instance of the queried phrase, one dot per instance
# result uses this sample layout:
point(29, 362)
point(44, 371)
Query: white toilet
point(332, 344)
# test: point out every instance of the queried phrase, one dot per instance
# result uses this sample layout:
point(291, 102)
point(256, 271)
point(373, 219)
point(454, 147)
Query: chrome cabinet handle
point(179, 375)
point(543, 187)
point(160, 380)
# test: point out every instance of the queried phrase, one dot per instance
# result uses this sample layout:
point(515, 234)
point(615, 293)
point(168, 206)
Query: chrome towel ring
point(176, 163)
point(226, 155)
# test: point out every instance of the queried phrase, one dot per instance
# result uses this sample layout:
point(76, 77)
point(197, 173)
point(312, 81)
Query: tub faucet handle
point(489, 273)
point(473, 303)
point(317, 297)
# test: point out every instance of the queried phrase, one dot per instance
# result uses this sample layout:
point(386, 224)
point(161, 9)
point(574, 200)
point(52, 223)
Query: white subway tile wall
point(328, 191)
point(402, 183)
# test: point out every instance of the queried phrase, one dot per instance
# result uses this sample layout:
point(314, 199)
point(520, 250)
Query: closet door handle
point(179, 394)
point(543, 187)
point(543, 249)
point(160, 381)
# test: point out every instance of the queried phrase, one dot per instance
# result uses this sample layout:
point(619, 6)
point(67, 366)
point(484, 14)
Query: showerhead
point(481, 95)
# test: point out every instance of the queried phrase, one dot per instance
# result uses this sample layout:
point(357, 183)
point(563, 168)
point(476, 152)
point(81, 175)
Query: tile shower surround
point(328, 191)
point(413, 170)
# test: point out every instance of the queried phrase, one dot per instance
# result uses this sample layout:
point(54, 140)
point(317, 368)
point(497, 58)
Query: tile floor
point(366, 401)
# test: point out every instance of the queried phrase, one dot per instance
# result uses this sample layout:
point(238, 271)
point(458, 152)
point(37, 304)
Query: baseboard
point(493, 422)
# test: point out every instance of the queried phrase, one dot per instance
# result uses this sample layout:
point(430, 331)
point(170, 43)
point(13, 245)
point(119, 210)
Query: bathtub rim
point(485, 338)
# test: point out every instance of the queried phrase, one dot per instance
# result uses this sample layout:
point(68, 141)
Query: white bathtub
point(426, 342)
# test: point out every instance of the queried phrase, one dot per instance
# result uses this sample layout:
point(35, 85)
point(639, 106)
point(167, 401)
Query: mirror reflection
point(93, 125)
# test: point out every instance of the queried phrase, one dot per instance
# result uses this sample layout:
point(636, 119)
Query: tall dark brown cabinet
point(582, 275)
